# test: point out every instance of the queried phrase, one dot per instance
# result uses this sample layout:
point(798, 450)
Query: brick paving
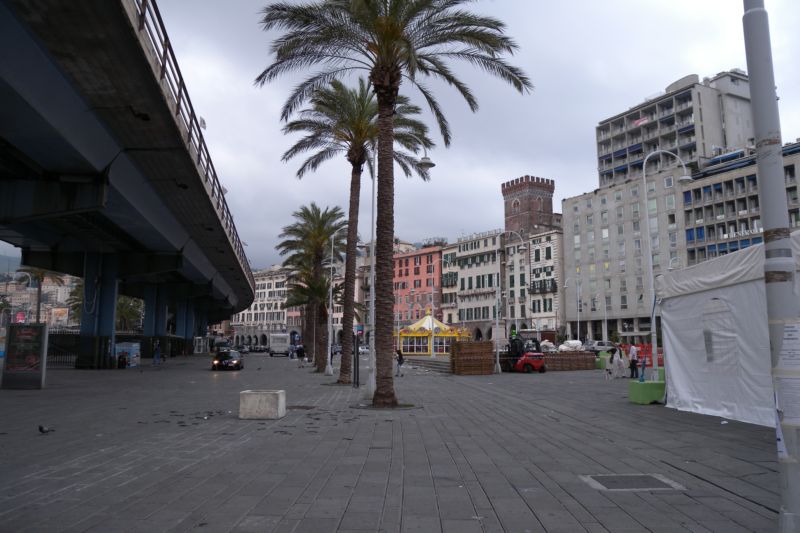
point(162, 449)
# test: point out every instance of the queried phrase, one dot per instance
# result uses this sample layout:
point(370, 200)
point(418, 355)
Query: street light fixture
point(520, 247)
point(651, 276)
point(577, 303)
point(328, 365)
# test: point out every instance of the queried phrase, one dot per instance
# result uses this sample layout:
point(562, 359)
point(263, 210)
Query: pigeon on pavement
point(43, 430)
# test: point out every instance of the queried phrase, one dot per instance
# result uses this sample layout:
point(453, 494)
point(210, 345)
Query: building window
point(668, 182)
point(652, 206)
point(651, 187)
point(617, 196)
point(548, 253)
point(589, 219)
point(634, 191)
point(669, 200)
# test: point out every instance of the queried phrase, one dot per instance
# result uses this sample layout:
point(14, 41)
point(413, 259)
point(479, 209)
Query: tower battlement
point(525, 182)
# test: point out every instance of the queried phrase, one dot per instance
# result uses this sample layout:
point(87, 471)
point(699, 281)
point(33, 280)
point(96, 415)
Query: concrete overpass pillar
point(155, 320)
point(184, 324)
point(98, 316)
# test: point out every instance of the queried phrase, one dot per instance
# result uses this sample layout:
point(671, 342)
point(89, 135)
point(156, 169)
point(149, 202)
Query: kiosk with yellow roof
point(416, 338)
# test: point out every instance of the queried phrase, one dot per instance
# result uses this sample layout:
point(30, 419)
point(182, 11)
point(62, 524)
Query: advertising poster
point(2, 342)
point(59, 316)
point(26, 357)
point(128, 354)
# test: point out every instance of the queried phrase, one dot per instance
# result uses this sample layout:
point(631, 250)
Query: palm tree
point(394, 40)
point(37, 276)
point(128, 309)
point(307, 244)
point(344, 121)
point(75, 300)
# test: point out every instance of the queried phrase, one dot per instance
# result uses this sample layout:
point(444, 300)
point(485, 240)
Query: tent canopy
point(716, 341)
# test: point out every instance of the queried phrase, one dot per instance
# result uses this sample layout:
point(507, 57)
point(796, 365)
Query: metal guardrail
point(151, 24)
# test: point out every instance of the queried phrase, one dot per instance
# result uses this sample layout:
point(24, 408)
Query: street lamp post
point(497, 369)
point(520, 247)
point(577, 303)
point(605, 317)
point(783, 309)
point(648, 239)
point(329, 365)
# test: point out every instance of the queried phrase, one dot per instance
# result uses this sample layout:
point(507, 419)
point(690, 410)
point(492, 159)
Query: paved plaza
point(162, 449)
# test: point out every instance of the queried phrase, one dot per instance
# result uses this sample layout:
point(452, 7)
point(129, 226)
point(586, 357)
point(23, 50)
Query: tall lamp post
point(433, 303)
point(605, 316)
point(685, 178)
point(329, 365)
point(783, 310)
point(497, 369)
point(521, 247)
point(577, 303)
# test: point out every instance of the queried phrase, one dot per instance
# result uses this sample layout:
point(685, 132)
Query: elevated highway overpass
point(104, 172)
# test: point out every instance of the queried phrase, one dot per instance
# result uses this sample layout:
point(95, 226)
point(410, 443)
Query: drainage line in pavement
point(701, 478)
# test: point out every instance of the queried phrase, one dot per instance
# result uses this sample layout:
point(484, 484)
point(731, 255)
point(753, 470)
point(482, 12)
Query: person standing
point(157, 354)
point(633, 355)
point(301, 355)
point(400, 361)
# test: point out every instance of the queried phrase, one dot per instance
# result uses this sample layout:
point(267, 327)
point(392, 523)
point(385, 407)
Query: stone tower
point(528, 204)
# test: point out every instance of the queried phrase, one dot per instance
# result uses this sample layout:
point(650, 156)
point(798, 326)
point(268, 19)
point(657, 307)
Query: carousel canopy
point(428, 322)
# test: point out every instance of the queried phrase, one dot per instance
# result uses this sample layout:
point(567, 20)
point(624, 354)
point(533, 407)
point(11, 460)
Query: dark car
point(227, 360)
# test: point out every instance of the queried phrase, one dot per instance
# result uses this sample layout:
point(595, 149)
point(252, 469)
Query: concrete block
point(262, 404)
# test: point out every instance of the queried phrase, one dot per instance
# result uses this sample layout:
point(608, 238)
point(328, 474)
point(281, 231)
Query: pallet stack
point(472, 358)
point(570, 361)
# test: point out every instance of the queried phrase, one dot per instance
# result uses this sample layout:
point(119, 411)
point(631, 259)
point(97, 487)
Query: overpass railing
point(149, 23)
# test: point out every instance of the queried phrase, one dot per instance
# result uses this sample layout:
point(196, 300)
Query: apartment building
point(478, 262)
point(266, 314)
point(417, 284)
point(546, 259)
point(449, 303)
point(693, 119)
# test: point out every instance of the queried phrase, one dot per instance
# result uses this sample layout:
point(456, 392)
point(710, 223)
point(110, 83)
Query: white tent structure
point(716, 343)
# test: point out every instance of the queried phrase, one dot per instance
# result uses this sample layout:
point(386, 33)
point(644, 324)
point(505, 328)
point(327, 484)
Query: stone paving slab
point(162, 449)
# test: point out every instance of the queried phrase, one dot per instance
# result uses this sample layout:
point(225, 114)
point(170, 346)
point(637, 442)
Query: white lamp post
point(783, 311)
point(651, 277)
point(521, 247)
point(328, 365)
point(605, 316)
point(577, 303)
point(433, 303)
point(497, 369)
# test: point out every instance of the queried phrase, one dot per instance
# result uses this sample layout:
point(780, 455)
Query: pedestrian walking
point(400, 361)
point(301, 355)
point(157, 355)
point(633, 354)
point(634, 364)
point(610, 363)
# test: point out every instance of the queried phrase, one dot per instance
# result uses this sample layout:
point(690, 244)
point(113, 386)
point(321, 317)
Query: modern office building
point(696, 120)
point(606, 236)
point(721, 211)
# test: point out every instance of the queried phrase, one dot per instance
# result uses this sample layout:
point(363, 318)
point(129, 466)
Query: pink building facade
point(417, 285)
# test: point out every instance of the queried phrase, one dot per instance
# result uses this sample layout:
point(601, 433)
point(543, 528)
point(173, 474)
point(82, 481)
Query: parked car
point(227, 360)
point(363, 349)
point(598, 346)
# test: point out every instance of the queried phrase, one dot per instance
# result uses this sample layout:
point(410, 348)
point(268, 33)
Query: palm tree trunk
point(384, 250)
point(345, 370)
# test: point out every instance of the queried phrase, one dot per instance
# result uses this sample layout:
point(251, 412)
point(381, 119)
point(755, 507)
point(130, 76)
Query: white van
point(278, 344)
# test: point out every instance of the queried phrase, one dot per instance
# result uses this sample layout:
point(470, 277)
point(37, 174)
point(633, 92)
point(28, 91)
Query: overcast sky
point(588, 60)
